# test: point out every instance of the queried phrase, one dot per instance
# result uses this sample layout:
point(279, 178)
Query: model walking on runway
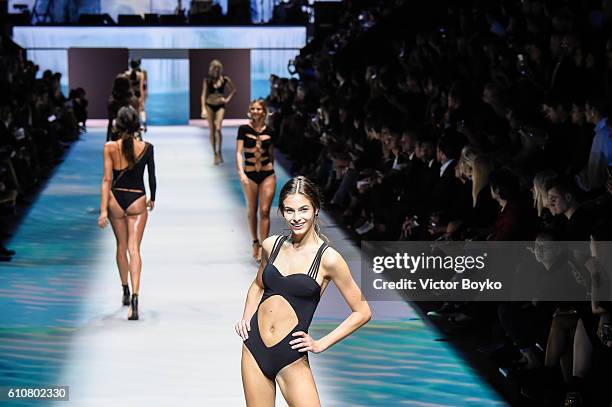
point(138, 82)
point(213, 104)
point(123, 200)
point(256, 171)
point(281, 301)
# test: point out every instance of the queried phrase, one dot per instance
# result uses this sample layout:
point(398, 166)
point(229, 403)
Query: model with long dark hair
point(294, 272)
point(124, 201)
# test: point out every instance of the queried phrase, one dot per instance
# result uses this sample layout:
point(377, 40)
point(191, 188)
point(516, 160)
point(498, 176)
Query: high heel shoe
point(126, 294)
point(134, 308)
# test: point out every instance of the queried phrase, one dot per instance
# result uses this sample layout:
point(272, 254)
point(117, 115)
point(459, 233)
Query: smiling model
point(256, 171)
point(293, 274)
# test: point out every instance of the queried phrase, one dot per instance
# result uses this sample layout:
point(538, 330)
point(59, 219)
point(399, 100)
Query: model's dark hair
point(135, 63)
point(128, 123)
point(304, 186)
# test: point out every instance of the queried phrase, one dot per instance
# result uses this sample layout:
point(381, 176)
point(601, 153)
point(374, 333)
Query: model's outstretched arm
point(338, 271)
point(106, 185)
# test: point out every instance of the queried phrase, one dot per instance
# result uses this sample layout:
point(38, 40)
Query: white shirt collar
point(445, 166)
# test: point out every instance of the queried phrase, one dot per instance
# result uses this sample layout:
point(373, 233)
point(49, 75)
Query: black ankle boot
point(126, 294)
point(134, 306)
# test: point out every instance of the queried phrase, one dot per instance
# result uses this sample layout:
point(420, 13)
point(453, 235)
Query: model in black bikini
point(280, 304)
point(123, 200)
point(255, 165)
point(213, 104)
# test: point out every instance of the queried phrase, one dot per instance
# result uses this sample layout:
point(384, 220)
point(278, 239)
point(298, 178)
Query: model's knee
point(264, 213)
point(122, 249)
point(134, 251)
point(251, 213)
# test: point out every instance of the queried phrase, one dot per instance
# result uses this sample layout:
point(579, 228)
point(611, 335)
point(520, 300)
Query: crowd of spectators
point(38, 123)
point(473, 120)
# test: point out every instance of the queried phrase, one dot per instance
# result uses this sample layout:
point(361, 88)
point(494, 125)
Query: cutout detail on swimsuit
point(277, 314)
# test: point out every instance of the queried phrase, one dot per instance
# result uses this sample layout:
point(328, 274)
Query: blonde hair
point(468, 156)
point(263, 106)
point(215, 63)
point(540, 185)
point(481, 168)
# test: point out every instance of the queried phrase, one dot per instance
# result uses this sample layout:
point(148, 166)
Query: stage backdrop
point(236, 65)
point(94, 69)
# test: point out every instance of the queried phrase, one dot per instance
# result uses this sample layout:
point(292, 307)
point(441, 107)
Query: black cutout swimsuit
point(252, 139)
point(132, 178)
point(302, 292)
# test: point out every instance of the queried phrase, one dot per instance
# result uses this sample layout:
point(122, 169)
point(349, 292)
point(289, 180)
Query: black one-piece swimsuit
point(302, 292)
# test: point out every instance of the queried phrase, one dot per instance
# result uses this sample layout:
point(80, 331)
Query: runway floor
point(62, 323)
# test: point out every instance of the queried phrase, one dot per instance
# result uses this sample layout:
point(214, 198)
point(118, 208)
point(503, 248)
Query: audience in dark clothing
point(37, 124)
point(495, 101)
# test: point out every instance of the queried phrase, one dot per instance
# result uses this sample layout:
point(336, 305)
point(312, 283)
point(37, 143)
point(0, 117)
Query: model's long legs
point(266, 195)
point(218, 123)
point(119, 224)
point(250, 195)
point(259, 391)
point(297, 384)
point(136, 221)
point(211, 127)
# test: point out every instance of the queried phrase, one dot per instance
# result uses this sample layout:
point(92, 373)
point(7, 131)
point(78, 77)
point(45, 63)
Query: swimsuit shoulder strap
point(278, 243)
point(314, 268)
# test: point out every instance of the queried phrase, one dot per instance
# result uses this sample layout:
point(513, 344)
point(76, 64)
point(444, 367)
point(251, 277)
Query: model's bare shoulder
point(333, 262)
point(268, 243)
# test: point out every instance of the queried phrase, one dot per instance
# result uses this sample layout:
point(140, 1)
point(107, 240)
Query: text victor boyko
point(412, 264)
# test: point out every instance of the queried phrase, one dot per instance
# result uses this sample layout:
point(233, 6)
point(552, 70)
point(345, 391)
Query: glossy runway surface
point(62, 322)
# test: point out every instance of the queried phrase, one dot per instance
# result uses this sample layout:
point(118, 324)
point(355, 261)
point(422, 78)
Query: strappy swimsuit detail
point(128, 184)
point(302, 292)
point(257, 146)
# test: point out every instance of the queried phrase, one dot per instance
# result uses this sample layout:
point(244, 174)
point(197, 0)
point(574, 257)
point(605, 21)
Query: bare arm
point(240, 158)
point(204, 95)
point(106, 184)
point(271, 153)
point(232, 87)
point(141, 88)
point(338, 271)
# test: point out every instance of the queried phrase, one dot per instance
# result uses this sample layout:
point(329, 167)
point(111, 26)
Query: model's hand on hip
point(103, 220)
point(305, 343)
point(242, 328)
point(150, 204)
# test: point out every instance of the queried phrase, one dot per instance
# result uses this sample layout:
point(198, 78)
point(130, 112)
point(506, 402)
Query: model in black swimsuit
point(123, 198)
point(255, 165)
point(128, 184)
point(282, 300)
point(213, 101)
point(257, 146)
point(302, 292)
